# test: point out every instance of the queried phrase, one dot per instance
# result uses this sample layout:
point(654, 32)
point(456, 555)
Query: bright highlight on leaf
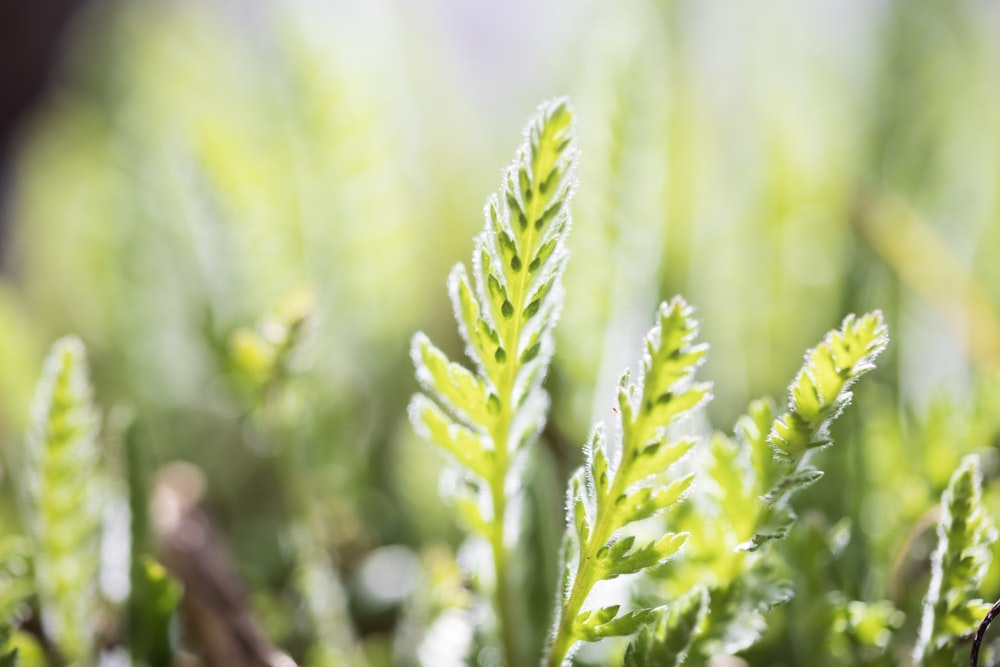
point(952, 607)
point(64, 499)
point(818, 395)
point(618, 487)
point(485, 414)
point(505, 314)
point(750, 479)
point(820, 391)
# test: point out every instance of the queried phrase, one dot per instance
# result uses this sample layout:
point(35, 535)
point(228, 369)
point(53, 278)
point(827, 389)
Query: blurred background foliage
point(204, 178)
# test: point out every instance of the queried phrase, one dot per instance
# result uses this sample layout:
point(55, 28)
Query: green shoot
point(619, 487)
point(505, 314)
point(817, 396)
point(751, 479)
point(669, 644)
point(64, 499)
point(965, 537)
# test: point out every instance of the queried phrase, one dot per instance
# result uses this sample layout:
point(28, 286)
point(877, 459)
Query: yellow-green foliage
point(751, 479)
point(817, 396)
point(506, 313)
point(63, 499)
point(778, 163)
point(952, 608)
point(625, 484)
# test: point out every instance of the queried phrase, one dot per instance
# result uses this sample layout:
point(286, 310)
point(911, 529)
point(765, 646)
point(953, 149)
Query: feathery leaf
point(64, 498)
point(820, 390)
point(611, 492)
point(505, 314)
point(817, 396)
point(750, 480)
point(668, 645)
point(965, 537)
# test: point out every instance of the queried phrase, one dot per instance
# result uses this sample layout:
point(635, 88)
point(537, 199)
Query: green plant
point(63, 499)
point(965, 536)
point(621, 488)
point(680, 545)
point(752, 478)
point(615, 490)
point(505, 315)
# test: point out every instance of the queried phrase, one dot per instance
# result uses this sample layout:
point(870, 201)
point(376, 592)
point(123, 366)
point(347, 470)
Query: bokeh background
point(192, 167)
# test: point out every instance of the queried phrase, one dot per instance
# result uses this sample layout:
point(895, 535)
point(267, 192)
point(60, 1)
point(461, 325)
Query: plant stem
point(498, 495)
point(502, 445)
point(563, 639)
point(501, 600)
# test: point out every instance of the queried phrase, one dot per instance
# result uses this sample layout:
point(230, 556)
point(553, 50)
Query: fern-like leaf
point(820, 390)
point(750, 479)
point(965, 536)
point(669, 644)
point(484, 418)
point(64, 499)
point(616, 488)
point(818, 395)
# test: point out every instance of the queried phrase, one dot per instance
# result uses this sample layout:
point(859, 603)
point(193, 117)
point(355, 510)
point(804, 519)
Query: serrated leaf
point(817, 396)
point(656, 457)
point(479, 338)
point(796, 481)
point(593, 626)
point(773, 524)
point(965, 536)
point(677, 630)
point(599, 474)
point(755, 475)
point(752, 431)
point(633, 491)
point(463, 443)
point(734, 619)
point(580, 523)
point(505, 313)
point(669, 644)
point(64, 498)
point(820, 390)
point(637, 652)
point(647, 501)
point(662, 408)
point(733, 489)
point(454, 386)
point(621, 559)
